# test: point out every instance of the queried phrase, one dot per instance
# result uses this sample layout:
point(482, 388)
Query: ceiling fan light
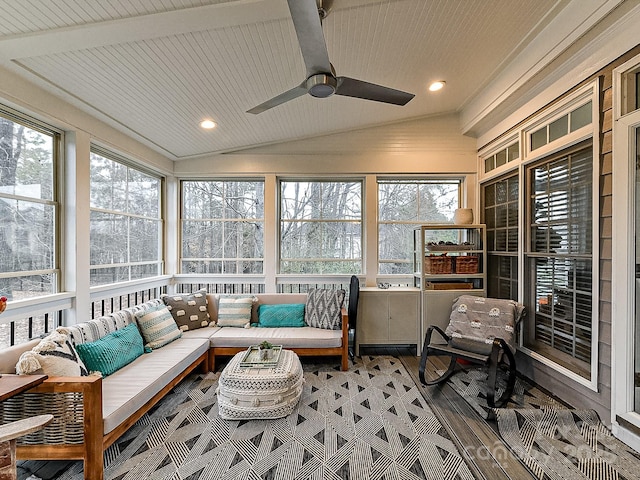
point(321, 85)
point(435, 86)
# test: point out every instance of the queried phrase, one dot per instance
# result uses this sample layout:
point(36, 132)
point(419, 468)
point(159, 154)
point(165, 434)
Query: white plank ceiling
point(155, 68)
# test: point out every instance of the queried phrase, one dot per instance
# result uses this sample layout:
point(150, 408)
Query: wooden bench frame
point(95, 441)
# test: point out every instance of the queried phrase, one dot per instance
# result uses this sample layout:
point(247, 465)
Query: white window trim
point(321, 178)
point(134, 165)
point(592, 382)
point(582, 95)
point(623, 281)
point(408, 278)
point(180, 219)
point(494, 148)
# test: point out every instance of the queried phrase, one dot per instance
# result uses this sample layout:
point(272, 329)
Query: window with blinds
point(559, 259)
point(500, 211)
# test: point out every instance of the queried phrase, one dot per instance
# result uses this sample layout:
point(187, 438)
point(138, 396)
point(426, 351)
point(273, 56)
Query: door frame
point(625, 422)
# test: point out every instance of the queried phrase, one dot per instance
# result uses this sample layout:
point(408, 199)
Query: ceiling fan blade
point(280, 99)
point(306, 21)
point(350, 87)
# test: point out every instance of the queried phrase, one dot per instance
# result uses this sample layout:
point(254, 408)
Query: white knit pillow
point(54, 356)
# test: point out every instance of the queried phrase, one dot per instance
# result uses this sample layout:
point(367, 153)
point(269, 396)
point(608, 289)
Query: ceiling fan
point(321, 81)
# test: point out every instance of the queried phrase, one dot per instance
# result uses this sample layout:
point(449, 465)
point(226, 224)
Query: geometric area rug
point(471, 384)
point(559, 444)
point(552, 440)
point(368, 423)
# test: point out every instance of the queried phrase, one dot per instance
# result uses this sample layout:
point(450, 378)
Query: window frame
point(181, 220)
point(413, 180)
point(530, 256)
point(503, 254)
point(582, 95)
point(361, 221)
point(497, 147)
point(57, 172)
point(160, 262)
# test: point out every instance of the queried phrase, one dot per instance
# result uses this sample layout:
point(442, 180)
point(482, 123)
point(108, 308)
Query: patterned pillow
point(54, 355)
point(189, 310)
point(476, 321)
point(112, 352)
point(281, 315)
point(323, 308)
point(235, 311)
point(157, 326)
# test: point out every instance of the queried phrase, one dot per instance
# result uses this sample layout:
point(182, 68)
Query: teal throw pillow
point(112, 352)
point(282, 315)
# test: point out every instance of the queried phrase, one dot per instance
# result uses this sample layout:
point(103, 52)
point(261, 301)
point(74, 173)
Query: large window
point(320, 227)
point(223, 227)
point(500, 202)
point(559, 259)
point(404, 205)
point(126, 221)
point(29, 207)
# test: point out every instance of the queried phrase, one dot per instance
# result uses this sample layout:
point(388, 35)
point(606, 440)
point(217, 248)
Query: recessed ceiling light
point(435, 86)
point(208, 124)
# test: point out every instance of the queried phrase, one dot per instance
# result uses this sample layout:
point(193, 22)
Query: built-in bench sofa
point(91, 413)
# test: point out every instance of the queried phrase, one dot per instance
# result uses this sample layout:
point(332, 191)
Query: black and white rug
point(554, 441)
point(471, 384)
point(561, 444)
point(368, 423)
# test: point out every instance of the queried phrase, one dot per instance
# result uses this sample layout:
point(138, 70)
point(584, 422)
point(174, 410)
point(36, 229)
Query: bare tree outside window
point(126, 222)
point(222, 227)
point(320, 227)
point(404, 205)
point(28, 209)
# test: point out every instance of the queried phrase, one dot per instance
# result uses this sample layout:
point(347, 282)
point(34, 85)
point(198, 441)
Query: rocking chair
point(480, 331)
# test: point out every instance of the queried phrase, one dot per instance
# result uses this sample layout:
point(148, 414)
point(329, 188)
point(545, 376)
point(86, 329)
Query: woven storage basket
point(435, 264)
point(467, 264)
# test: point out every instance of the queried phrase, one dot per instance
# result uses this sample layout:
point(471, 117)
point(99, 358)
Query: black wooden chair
point(480, 331)
point(352, 310)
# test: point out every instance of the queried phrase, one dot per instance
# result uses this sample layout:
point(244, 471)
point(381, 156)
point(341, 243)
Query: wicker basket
point(467, 264)
point(435, 264)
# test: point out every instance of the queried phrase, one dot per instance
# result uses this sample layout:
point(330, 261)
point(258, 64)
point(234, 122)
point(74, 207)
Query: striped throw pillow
point(234, 311)
point(157, 326)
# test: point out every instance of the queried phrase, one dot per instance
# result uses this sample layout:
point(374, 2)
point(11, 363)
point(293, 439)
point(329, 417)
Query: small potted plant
point(265, 350)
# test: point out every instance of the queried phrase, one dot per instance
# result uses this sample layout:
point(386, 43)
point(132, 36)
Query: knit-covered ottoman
point(246, 393)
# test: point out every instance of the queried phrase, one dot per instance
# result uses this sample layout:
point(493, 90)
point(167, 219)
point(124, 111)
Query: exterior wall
point(577, 395)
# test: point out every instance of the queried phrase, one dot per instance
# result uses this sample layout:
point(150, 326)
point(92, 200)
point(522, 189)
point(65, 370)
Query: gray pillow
point(189, 310)
point(476, 321)
point(323, 308)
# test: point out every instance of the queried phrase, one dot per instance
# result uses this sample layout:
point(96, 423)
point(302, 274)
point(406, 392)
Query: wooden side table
point(11, 385)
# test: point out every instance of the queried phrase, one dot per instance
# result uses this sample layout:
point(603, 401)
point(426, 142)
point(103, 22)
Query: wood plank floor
point(477, 439)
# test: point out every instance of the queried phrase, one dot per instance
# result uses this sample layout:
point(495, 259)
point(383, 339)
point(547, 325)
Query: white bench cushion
point(288, 337)
point(128, 389)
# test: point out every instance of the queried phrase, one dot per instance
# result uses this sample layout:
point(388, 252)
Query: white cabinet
point(388, 317)
point(449, 261)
